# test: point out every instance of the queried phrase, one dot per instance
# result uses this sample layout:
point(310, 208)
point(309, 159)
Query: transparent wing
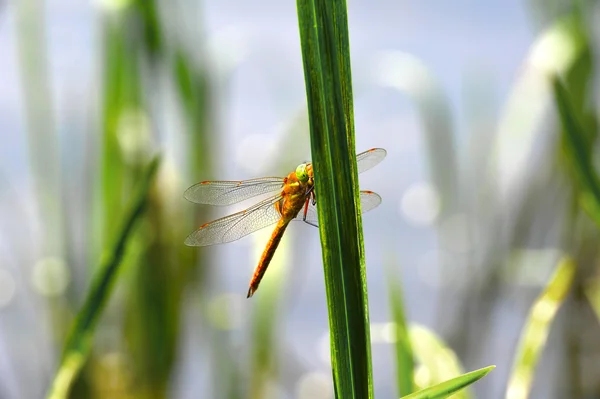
point(236, 226)
point(368, 201)
point(231, 192)
point(366, 160)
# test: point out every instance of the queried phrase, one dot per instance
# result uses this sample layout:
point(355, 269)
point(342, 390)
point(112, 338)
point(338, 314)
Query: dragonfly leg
point(306, 209)
point(278, 206)
point(311, 193)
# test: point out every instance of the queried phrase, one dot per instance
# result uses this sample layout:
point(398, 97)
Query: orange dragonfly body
point(296, 200)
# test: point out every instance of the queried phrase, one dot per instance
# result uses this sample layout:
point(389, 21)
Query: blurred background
point(478, 199)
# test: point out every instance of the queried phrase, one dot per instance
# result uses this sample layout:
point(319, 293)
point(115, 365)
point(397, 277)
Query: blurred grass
point(593, 296)
point(437, 362)
point(405, 365)
point(410, 75)
point(578, 147)
point(42, 136)
point(537, 327)
point(148, 330)
point(326, 57)
point(139, 51)
point(78, 344)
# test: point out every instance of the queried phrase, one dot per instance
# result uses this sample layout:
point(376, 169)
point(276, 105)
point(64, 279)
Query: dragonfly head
point(302, 173)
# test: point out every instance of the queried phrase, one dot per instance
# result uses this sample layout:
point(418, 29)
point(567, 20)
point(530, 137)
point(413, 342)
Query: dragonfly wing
point(368, 200)
point(366, 160)
point(236, 226)
point(231, 192)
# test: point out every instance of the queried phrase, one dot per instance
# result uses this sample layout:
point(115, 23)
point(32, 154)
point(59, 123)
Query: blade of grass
point(452, 386)
point(326, 56)
point(77, 345)
point(404, 353)
point(579, 152)
point(592, 293)
point(42, 136)
point(152, 306)
point(156, 283)
point(537, 328)
point(122, 94)
point(557, 49)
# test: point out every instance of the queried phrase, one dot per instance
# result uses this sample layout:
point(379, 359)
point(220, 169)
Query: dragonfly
point(295, 201)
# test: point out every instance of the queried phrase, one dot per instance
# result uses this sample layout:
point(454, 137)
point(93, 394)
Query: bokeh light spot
point(225, 311)
point(422, 376)
point(420, 204)
point(133, 133)
point(314, 385)
point(50, 277)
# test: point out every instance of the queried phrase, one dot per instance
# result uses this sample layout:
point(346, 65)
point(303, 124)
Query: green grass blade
point(405, 364)
point(592, 293)
point(452, 386)
point(579, 151)
point(122, 94)
point(42, 137)
point(537, 328)
point(325, 52)
point(77, 346)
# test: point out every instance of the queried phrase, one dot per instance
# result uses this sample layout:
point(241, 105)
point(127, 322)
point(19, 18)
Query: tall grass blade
point(121, 97)
point(405, 364)
point(326, 56)
point(592, 293)
point(579, 152)
point(447, 388)
point(559, 49)
point(537, 328)
point(38, 109)
point(152, 311)
point(163, 268)
point(77, 346)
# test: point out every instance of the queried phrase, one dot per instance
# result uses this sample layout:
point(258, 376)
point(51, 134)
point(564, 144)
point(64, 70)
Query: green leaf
point(326, 56)
point(579, 151)
point(121, 97)
point(450, 387)
point(77, 346)
point(404, 353)
point(537, 327)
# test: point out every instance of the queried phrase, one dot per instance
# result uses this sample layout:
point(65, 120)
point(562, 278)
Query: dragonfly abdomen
point(267, 255)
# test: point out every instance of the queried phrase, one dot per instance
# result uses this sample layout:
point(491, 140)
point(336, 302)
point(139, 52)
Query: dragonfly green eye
point(301, 173)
